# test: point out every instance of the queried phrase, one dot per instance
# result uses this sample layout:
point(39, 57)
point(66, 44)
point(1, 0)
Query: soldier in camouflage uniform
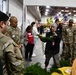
point(14, 32)
point(67, 36)
point(74, 33)
point(10, 54)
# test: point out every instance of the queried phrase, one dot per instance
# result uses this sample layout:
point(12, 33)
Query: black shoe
point(26, 59)
point(45, 69)
point(30, 59)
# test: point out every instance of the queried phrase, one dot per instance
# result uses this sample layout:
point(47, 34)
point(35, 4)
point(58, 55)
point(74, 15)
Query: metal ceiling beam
point(34, 12)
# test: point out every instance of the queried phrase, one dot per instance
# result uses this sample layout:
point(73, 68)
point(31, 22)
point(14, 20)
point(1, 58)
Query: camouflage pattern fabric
point(15, 34)
point(68, 38)
point(11, 56)
point(74, 33)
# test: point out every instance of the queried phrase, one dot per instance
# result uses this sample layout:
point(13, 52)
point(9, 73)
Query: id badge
point(13, 36)
point(53, 43)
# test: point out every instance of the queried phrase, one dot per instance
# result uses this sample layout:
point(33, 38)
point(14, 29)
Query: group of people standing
point(62, 36)
point(60, 33)
point(11, 59)
point(11, 42)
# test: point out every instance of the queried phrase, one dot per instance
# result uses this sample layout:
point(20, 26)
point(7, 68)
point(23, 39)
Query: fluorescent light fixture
point(75, 15)
point(69, 13)
point(66, 10)
point(74, 10)
point(62, 10)
point(47, 6)
point(46, 13)
point(59, 12)
point(47, 10)
point(66, 7)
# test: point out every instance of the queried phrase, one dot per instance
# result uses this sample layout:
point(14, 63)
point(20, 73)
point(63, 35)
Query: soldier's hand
point(20, 46)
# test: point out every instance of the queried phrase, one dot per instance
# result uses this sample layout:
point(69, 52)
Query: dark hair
point(71, 21)
point(56, 20)
point(28, 28)
point(3, 17)
point(32, 24)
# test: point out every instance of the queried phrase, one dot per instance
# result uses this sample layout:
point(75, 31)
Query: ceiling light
point(75, 15)
point(74, 10)
point(66, 7)
point(66, 10)
point(47, 6)
point(62, 10)
point(69, 13)
point(59, 12)
point(46, 13)
point(47, 10)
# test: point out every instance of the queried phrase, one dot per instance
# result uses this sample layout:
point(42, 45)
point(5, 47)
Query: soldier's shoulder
point(64, 27)
point(18, 29)
point(74, 26)
point(9, 28)
point(7, 44)
point(6, 39)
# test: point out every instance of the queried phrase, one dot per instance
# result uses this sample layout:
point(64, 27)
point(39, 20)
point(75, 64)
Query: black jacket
point(59, 29)
point(54, 49)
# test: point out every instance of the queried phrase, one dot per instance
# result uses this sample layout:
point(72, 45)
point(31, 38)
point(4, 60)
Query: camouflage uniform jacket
point(11, 56)
point(15, 34)
point(74, 33)
point(67, 34)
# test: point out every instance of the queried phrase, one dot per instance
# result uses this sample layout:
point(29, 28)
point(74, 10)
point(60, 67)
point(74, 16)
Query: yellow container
point(64, 70)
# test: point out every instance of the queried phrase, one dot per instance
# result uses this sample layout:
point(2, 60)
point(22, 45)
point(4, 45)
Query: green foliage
point(35, 70)
point(55, 69)
point(64, 63)
point(45, 39)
